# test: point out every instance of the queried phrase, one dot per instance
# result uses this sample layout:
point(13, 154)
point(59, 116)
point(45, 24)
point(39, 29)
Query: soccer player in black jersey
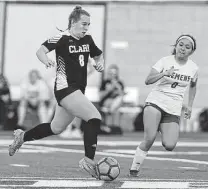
point(73, 48)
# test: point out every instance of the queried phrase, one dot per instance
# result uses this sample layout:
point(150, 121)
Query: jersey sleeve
point(159, 66)
point(50, 44)
point(195, 76)
point(94, 50)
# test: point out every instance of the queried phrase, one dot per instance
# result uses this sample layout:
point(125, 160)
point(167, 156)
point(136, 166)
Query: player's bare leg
point(150, 132)
point(90, 114)
point(60, 121)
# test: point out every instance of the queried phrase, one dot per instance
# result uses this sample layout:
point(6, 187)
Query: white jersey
point(35, 93)
point(169, 91)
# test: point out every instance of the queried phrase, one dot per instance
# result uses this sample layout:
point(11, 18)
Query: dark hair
point(76, 14)
point(178, 39)
point(3, 80)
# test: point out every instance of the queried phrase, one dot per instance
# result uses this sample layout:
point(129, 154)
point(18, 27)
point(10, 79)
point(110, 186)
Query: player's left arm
point(192, 92)
point(99, 63)
point(97, 55)
point(191, 95)
point(90, 66)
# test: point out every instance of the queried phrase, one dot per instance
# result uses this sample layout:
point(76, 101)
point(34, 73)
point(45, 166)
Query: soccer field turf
point(53, 163)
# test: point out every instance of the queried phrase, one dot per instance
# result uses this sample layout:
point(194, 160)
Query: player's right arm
point(191, 96)
point(157, 72)
point(154, 75)
point(45, 48)
point(43, 57)
point(97, 55)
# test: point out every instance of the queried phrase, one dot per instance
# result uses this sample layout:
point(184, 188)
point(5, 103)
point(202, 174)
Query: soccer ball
point(108, 169)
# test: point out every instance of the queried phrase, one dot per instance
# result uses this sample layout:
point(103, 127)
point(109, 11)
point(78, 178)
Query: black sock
point(90, 137)
point(38, 132)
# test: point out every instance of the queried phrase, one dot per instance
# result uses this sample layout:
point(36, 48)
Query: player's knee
point(169, 146)
point(99, 116)
point(95, 116)
point(56, 129)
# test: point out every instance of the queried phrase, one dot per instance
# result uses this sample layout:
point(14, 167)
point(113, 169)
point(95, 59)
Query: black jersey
point(72, 58)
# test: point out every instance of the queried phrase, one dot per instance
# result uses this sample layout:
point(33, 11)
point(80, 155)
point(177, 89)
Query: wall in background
point(137, 35)
point(145, 33)
point(2, 14)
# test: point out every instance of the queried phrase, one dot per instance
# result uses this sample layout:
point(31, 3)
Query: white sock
point(139, 157)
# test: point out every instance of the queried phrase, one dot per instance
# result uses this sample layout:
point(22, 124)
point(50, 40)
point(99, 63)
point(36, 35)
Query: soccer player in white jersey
point(34, 94)
point(73, 48)
point(173, 74)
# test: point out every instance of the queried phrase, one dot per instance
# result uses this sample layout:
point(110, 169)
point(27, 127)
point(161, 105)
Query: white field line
point(23, 150)
point(57, 184)
point(130, 152)
point(88, 178)
point(120, 155)
point(151, 183)
point(67, 183)
point(52, 149)
point(95, 183)
point(104, 143)
point(19, 165)
point(166, 185)
point(193, 168)
point(166, 153)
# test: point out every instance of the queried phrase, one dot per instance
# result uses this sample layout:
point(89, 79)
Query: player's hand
point(50, 63)
point(187, 113)
point(170, 71)
point(99, 67)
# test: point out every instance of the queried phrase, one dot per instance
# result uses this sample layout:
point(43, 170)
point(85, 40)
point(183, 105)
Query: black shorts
point(60, 94)
point(166, 117)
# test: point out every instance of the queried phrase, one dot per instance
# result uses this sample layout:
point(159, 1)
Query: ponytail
point(76, 14)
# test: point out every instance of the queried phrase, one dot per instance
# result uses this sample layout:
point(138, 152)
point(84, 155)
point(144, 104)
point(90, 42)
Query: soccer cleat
point(133, 173)
point(17, 143)
point(89, 166)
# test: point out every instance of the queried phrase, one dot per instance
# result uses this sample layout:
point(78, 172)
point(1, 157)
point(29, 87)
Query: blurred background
point(132, 34)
